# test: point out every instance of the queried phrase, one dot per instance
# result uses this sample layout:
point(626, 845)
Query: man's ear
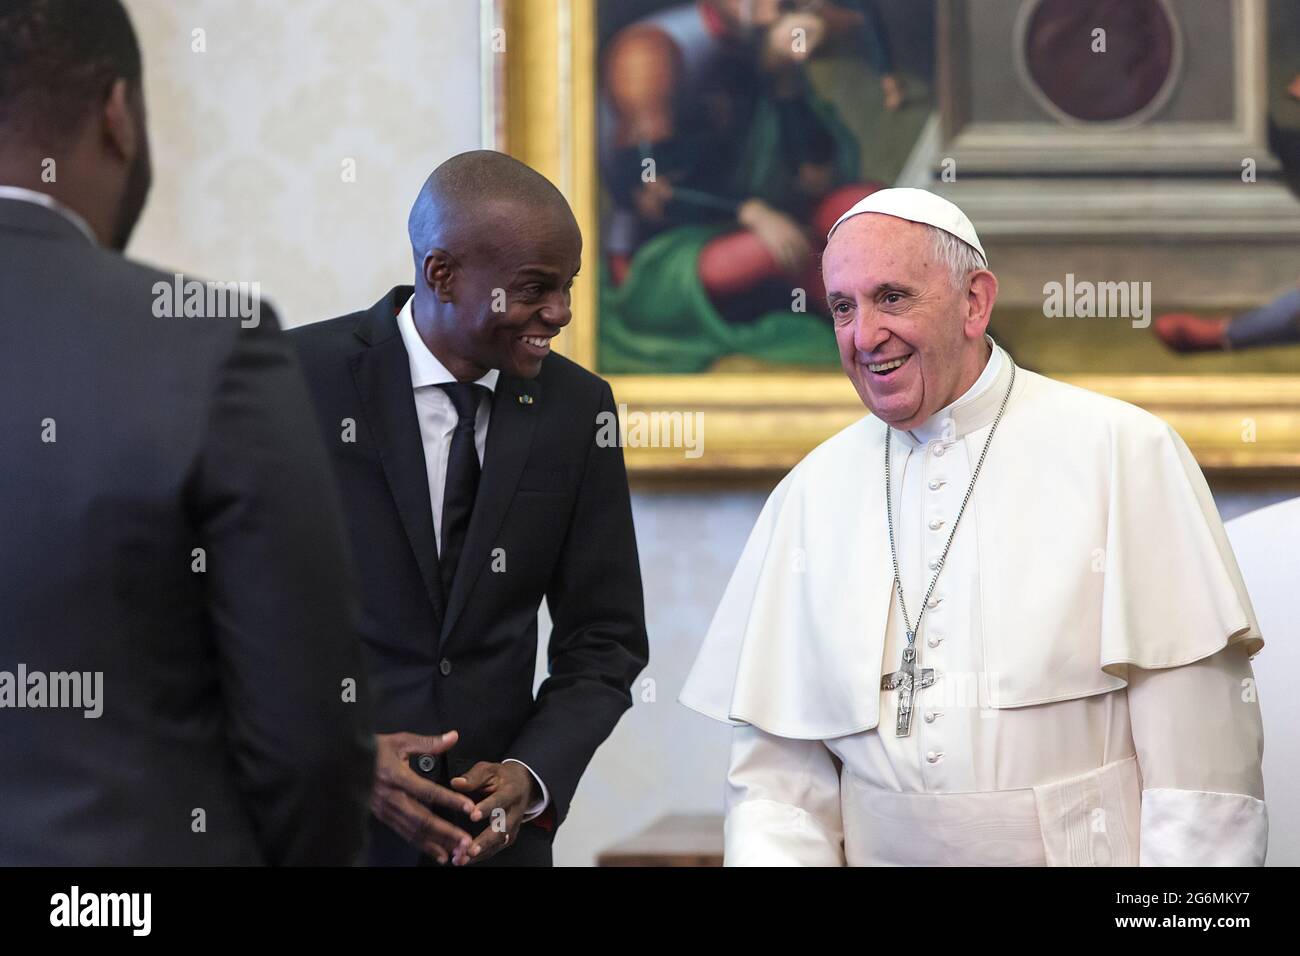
point(440, 273)
point(120, 127)
point(979, 302)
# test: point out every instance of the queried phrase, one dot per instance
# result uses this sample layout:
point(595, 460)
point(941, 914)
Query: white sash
point(1088, 820)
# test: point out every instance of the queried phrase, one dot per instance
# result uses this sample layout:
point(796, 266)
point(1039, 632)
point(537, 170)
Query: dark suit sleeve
point(281, 607)
point(598, 643)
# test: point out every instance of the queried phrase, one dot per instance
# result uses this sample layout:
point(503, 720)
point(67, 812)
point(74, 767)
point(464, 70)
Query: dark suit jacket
point(222, 690)
point(552, 511)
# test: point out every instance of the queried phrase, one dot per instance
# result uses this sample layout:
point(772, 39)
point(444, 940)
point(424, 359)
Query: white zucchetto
point(917, 205)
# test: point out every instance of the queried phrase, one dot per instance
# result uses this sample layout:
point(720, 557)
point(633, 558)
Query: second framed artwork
point(706, 147)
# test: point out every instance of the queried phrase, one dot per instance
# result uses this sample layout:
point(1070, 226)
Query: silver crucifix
point(905, 680)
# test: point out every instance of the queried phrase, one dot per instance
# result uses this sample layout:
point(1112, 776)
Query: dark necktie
point(462, 478)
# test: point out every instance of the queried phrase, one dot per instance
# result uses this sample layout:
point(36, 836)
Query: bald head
point(496, 251)
point(467, 201)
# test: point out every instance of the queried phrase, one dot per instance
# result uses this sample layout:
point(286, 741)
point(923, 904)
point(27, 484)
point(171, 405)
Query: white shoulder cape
point(1100, 548)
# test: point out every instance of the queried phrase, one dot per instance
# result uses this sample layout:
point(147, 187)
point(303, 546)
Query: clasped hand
point(402, 799)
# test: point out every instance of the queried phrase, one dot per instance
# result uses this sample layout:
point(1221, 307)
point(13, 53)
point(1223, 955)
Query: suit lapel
point(509, 439)
point(382, 373)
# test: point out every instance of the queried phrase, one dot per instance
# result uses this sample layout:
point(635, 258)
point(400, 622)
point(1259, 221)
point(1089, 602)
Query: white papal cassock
point(1090, 635)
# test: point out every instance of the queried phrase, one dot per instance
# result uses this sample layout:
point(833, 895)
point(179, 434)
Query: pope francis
point(997, 622)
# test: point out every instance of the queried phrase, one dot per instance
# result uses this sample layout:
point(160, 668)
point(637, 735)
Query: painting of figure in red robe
point(731, 136)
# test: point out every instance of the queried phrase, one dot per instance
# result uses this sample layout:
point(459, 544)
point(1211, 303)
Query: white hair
point(960, 258)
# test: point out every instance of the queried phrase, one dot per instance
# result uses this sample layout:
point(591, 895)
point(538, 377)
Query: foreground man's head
point(496, 249)
point(908, 287)
point(72, 116)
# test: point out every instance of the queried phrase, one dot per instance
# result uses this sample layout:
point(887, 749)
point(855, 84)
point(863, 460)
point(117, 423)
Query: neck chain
point(889, 508)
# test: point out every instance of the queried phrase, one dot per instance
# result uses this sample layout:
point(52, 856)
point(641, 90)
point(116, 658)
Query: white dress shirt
point(437, 417)
point(49, 202)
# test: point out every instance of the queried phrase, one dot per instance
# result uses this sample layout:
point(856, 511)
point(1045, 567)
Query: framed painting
point(706, 146)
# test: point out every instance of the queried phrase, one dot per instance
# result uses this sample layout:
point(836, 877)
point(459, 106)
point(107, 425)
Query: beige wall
point(250, 138)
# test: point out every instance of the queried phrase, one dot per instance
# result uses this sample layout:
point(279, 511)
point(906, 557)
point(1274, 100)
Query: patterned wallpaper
point(251, 137)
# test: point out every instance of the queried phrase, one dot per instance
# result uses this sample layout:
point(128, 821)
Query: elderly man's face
point(893, 300)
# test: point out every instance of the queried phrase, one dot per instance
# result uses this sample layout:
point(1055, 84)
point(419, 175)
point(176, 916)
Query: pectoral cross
point(906, 681)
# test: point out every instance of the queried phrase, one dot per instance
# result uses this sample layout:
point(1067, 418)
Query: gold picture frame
point(540, 106)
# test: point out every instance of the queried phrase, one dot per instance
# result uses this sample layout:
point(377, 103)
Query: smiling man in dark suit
point(474, 487)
